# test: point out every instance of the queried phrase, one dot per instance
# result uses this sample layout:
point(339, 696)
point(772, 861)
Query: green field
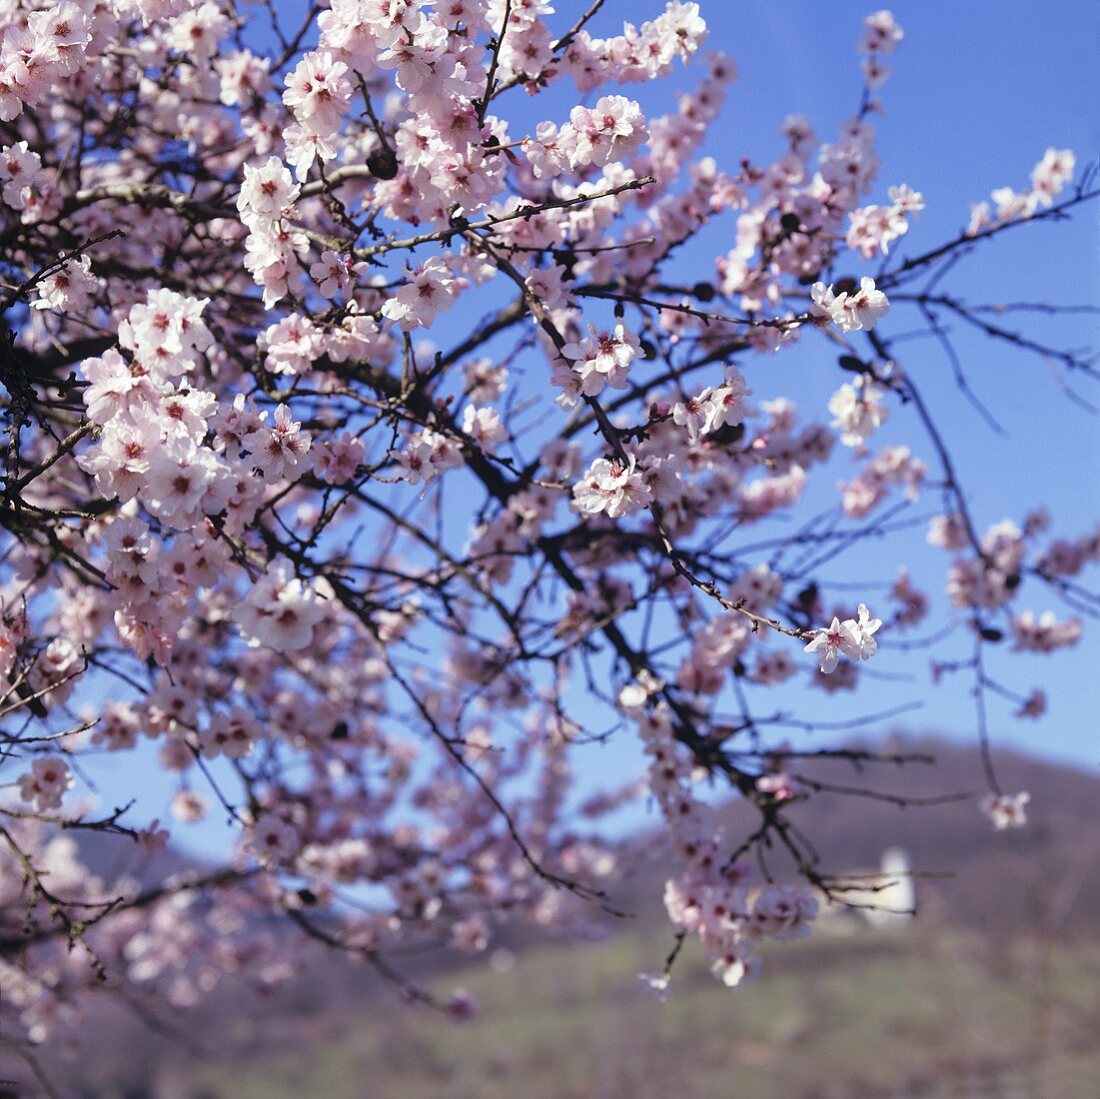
point(872, 1014)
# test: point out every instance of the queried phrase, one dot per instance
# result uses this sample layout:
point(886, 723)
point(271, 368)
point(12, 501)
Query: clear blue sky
point(978, 92)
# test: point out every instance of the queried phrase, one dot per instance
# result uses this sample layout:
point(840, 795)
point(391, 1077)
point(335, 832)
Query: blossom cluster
point(1048, 180)
point(711, 898)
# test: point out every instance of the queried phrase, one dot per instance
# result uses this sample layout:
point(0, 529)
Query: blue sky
point(978, 92)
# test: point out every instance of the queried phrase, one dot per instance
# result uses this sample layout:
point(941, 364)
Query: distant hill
point(1044, 877)
point(111, 857)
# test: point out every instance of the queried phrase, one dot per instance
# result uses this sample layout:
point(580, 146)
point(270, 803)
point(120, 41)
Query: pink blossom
point(829, 643)
point(1050, 176)
point(853, 638)
point(198, 32)
point(335, 274)
point(428, 454)
point(1045, 633)
point(319, 92)
point(602, 358)
point(69, 288)
point(1034, 706)
point(380, 673)
point(1006, 810)
point(484, 427)
point(859, 410)
point(153, 839)
point(292, 345)
point(280, 611)
point(278, 450)
point(861, 310)
point(267, 192)
point(166, 333)
point(612, 130)
point(782, 912)
point(779, 785)
point(46, 782)
point(880, 33)
point(337, 462)
point(431, 290)
point(190, 806)
point(612, 487)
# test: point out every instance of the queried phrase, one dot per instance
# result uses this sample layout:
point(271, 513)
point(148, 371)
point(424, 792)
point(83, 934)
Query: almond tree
point(369, 451)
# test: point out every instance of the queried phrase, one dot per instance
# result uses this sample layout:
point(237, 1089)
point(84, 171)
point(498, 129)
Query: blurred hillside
point(1045, 877)
point(993, 991)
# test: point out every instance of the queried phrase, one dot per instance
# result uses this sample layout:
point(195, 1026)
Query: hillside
point(1010, 937)
point(1043, 877)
